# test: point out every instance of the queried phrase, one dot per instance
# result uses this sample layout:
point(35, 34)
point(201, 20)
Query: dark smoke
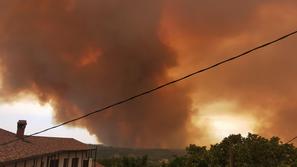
point(83, 54)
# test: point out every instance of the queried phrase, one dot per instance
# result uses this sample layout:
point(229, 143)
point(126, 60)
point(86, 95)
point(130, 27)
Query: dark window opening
point(66, 162)
point(86, 163)
point(74, 162)
point(54, 163)
point(34, 163)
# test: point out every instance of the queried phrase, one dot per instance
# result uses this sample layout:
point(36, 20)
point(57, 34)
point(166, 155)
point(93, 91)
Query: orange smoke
point(84, 54)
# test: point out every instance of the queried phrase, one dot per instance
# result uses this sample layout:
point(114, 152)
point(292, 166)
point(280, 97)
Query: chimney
point(21, 128)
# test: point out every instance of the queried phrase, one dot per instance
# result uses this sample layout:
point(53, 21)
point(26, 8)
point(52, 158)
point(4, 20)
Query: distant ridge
point(154, 154)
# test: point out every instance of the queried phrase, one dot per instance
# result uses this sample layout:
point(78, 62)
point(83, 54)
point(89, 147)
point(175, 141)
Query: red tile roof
point(35, 146)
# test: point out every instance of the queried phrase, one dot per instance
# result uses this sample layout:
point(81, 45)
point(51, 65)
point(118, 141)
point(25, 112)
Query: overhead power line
point(157, 88)
point(294, 138)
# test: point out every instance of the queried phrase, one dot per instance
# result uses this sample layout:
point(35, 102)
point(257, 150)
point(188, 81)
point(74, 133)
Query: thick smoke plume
point(83, 54)
point(264, 83)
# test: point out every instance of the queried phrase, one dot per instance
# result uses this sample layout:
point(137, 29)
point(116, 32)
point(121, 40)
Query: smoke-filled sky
point(80, 55)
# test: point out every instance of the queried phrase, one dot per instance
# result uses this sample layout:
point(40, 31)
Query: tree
point(253, 150)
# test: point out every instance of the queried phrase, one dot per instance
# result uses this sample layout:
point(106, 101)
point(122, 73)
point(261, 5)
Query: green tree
point(250, 151)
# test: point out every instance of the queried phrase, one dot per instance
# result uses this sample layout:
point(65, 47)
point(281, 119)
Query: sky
point(60, 59)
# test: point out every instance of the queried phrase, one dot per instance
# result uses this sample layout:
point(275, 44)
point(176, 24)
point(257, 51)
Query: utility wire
point(294, 138)
point(156, 88)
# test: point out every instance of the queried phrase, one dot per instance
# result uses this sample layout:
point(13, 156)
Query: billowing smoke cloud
point(84, 54)
point(263, 84)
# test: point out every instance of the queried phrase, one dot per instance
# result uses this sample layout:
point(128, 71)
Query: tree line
point(232, 151)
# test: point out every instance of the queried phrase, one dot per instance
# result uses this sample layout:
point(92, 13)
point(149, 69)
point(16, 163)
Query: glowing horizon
point(221, 120)
point(39, 117)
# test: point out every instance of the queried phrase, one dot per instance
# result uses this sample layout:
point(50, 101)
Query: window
point(74, 162)
point(54, 163)
point(34, 163)
point(66, 162)
point(86, 163)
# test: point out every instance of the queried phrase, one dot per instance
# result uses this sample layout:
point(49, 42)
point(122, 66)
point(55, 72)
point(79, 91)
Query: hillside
point(105, 152)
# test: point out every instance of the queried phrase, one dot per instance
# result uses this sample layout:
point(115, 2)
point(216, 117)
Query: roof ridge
point(7, 131)
point(41, 136)
point(51, 137)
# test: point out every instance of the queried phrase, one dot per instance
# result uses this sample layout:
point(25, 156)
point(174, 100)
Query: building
point(38, 151)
